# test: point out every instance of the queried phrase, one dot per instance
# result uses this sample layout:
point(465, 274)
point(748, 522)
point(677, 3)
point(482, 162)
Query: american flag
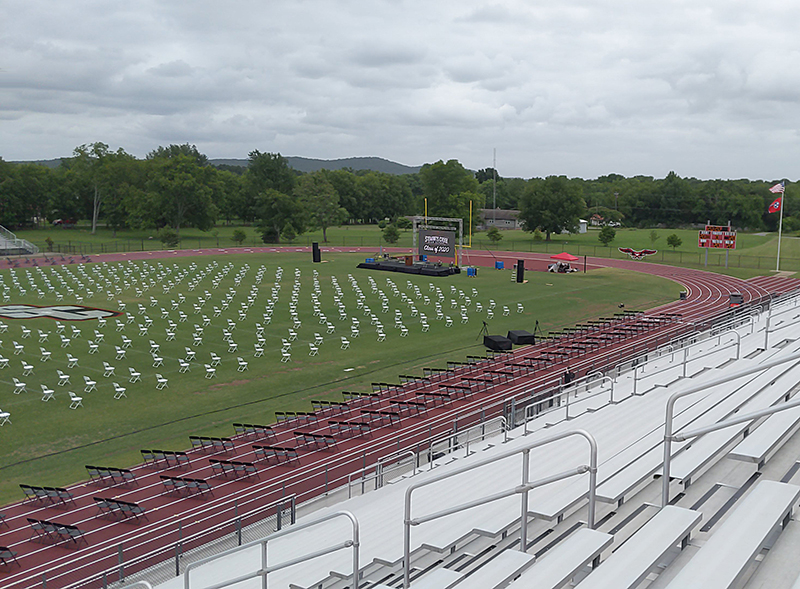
point(778, 188)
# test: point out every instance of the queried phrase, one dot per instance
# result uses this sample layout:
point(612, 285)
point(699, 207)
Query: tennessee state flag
point(775, 206)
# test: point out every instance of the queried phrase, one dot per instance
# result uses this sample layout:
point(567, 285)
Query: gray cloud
point(580, 87)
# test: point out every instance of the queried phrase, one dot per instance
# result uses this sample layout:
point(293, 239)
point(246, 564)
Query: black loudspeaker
point(496, 342)
point(520, 270)
point(521, 337)
point(316, 253)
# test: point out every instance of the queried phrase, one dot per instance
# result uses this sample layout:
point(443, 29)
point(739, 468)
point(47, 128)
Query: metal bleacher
point(730, 510)
point(11, 245)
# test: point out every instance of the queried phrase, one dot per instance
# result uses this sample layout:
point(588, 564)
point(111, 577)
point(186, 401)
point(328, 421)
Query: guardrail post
point(294, 510)
point(177, 560)
point(121, 561)
point(239, 531)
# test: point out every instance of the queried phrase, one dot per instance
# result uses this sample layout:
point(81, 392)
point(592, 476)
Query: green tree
point(269, 170)
point(653, 236)
point(321, 202)
point(274, 210)
point(674, 241)
point(552, 205)
point(449, 188)
point(391, 234)
point(180, 193)
point(238, 236)
point(607, 235)
point(494, 234)
point(179, 150)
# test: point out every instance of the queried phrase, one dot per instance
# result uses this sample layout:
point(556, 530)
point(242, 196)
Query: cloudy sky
point(707, 88)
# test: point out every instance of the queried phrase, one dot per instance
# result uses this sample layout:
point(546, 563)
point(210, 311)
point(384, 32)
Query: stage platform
point(423, 268)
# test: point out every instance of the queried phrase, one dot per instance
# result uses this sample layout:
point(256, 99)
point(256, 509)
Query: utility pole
point(494, 186)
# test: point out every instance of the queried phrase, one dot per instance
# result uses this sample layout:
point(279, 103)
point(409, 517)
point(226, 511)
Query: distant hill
point(301, 164)
point(305, 164)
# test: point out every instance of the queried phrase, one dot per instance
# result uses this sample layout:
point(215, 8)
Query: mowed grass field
point(754, 255)
point(47, 443)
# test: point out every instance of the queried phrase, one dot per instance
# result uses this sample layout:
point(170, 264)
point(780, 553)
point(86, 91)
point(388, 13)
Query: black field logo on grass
point(59, 312)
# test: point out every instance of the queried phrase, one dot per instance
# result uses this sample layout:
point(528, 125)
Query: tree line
point(176, 187)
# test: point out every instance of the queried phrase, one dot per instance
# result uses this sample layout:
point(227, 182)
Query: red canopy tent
point(565, 257)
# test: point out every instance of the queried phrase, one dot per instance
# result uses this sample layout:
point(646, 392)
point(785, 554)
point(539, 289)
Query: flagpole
point(780, 228)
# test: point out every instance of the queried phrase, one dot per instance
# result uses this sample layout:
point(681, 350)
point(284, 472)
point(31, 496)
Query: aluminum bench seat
point(633, 561)
point(438, 579)
point(722, 561)
point(498, 571)
point(559, 565)
point(769, 436)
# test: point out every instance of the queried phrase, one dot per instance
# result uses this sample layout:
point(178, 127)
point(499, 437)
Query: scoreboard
point(717, 236)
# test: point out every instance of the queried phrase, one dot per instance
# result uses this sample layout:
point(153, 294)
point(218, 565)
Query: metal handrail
point(522, 489)
point(379, 472)
point(265, 569)
point(670, 411)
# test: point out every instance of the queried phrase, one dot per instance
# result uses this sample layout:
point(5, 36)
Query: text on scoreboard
point(718, 236)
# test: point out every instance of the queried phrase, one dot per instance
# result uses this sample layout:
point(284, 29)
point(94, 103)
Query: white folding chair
point(25, 332)
point(20, 349)
point(108, 370)
point(170, 335)
point(43, 335)
point(425, 327)
point(121, 352)
point(19, 387)
point(161, 382)
point(99, 336)
point(215, 360)
point(292, 335)
point(381, 336)
point(119, 391)
point(3, 362)
point(157, 361)
point(345, 343)
point(63, 379)
point(448, 321)
point(91, 385)
point(232, 347)
point(506, 311)
point(4, 327)
point(286, 355)
point(154, 347)
point(403, 331)
point(242, 364)
point(317, 339)
point(211, 372)
point(330, 328)
point(45, 355)
point(47, 394)
point(27, 369)
point(76, 333)
point(190, 354)
point(75, 401)
point(5, 417)
point(72, 361)
point(93, 347)
point(126, 342)
point(135, 376)
point(259, 351)
point(184, 366)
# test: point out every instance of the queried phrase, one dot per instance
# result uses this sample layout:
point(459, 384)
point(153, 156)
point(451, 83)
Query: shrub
point(607, 235)
point(391, 234)
point(239, 236)
point(674, 241)
point(494, 234)
point(168, 236)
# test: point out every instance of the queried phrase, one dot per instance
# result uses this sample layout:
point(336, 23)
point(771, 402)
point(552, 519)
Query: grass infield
point(49, 444)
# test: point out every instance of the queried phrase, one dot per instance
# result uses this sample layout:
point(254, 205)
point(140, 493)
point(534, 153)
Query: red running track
point(318, 468)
